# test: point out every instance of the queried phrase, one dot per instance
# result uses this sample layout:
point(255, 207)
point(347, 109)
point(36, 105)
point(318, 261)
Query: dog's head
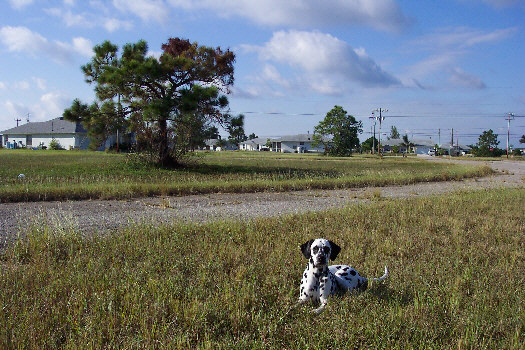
point(318, 251)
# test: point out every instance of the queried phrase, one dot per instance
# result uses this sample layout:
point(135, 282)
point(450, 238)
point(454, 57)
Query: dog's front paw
point(318, 310)
point(301, 301)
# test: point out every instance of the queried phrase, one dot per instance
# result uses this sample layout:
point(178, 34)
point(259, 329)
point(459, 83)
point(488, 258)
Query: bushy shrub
point(55, 145)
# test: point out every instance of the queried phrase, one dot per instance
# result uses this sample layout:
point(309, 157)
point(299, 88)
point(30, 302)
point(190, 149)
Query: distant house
point(213, 145)
point(423, 146)
point(256, 144)
point(39, 134)
point(301, 143)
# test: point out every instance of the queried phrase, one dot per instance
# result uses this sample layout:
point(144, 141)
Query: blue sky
point(435, 65)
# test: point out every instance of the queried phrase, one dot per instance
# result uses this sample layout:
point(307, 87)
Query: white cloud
point(48, 106)
point(379, 14)
point(324, 59)
point(40, 83)
point(51, 105)
point(90, 20)
point(147, 10)
point(271, 74)
point(22, 85)
point(462, 37)
point(2, 85)
point(16, 110)
point(447, 47)
point(465, 79)
point(18, 4)
point(22, 39)
point(83, 46)
point(430, 65)
point(114, 24)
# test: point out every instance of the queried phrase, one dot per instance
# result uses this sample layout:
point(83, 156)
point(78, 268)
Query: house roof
point(54, 126)
point(256, 141)
point(295, 138)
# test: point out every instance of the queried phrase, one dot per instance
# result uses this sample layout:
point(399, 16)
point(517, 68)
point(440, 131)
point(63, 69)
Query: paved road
point(103, 216)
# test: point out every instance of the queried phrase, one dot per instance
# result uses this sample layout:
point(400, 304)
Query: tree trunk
point(165, 158)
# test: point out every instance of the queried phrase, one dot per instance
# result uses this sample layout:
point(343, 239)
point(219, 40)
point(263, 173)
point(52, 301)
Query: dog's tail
point(382, 278)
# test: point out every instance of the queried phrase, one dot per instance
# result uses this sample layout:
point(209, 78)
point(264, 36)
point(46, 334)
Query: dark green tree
point(394, 134)
point(338, 132)
point(236, 130)
point(165, 101)
point(487, 145)
point(488, 139)
point(370, 143)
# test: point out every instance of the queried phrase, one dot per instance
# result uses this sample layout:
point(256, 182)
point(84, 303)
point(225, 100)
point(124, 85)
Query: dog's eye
point(315, 250)
point(326, 250)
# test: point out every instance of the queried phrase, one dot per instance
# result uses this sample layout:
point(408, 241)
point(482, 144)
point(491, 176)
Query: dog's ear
point(335, 250)
point(305, 248)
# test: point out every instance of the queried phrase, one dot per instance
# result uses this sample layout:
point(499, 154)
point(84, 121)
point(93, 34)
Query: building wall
point(67, 141)
point(295, 146)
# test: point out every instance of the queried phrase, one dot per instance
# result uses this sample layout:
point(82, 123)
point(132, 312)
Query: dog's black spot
point(338, 267)
point(346, 268)
point(348, 278)
point(343, 274)
point(353, 272)
point(364, 285)
point(305, 275)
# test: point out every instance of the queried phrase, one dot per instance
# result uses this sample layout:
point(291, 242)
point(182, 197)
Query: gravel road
point(103, 216)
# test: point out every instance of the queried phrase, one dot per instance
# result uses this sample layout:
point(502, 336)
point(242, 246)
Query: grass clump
point(55, 175)
point(457, 268)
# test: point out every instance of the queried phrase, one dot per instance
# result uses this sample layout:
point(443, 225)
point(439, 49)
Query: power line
point(491, 115)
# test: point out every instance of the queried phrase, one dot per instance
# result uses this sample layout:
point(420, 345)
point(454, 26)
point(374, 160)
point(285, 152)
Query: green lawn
point(457, 277)
point(62, 175)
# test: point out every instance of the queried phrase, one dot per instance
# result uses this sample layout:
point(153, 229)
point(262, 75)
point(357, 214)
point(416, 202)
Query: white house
point(423, 146)
point(301, 143)
point(214, 145)
point(35, 135)
point(256, 144)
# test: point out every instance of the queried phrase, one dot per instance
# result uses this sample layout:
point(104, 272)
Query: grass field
point(457, 277)
point(61, 175)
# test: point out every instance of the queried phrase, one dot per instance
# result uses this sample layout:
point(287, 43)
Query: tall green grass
point(457, 277)
point(60, 175)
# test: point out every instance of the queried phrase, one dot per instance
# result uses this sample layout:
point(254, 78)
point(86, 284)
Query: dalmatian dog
point(321, 281)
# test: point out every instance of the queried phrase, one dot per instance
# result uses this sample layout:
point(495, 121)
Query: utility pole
point(27, 118)
point(381, 118)
point(451, 142)
point(17, 120)
point(119, 115)
point(510, 116)
point(373, 118)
